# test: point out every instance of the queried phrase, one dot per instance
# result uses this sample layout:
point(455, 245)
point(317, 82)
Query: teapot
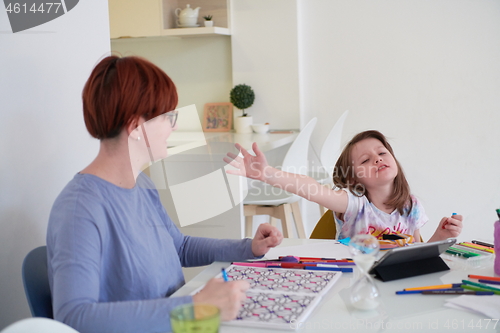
point(187, 17)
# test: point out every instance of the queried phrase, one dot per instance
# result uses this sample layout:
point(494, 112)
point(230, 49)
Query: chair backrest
point(331, 149)
point(36, 283)
point(326, 227)
point(296, 159)
point(38, 325)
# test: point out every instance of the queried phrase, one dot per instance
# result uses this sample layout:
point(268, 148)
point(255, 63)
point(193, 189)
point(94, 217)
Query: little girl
point(372, 194)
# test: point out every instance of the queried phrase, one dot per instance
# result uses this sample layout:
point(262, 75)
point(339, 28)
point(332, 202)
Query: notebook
point(279, 298)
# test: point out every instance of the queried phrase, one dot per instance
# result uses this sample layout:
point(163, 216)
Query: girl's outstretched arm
point(449, 227)
point(256, 167)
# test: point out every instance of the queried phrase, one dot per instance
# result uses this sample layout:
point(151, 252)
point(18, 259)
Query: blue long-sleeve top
point(115, 257)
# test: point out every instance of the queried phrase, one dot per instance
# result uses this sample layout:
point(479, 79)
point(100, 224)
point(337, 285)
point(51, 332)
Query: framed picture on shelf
point(217, 117)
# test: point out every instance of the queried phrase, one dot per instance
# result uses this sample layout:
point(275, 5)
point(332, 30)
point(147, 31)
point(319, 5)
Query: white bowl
point(260, 128)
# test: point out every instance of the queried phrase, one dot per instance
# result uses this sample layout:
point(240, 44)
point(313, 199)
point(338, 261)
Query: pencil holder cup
point(364, 292)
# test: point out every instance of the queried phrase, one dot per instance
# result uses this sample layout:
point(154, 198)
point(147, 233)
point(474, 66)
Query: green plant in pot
point(242, 97)
point(208, 21)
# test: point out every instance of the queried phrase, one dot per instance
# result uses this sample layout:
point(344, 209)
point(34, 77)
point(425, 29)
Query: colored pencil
point(440, 286)
point(491, 278)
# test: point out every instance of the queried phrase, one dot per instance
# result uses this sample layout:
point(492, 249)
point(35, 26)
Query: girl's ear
point(134, 130)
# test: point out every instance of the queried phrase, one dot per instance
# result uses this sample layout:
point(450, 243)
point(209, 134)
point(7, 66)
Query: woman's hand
point(449, 227)
point(265, 238)
point(254, 167)
point(227, 296)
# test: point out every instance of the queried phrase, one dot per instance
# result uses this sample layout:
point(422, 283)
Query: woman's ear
point(134, 129)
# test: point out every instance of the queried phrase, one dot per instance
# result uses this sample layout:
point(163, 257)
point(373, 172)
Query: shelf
point(192, 32)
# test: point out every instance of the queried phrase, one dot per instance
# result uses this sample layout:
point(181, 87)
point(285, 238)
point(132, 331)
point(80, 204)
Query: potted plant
point(242, 97)
point(208, 21)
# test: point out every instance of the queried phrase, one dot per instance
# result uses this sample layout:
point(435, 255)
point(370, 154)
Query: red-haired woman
point(114, 255)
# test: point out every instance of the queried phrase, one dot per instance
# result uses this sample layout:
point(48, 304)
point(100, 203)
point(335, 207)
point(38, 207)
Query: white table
point(397, 313)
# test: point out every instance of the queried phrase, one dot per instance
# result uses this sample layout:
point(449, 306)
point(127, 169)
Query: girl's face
point(373, 164)
point(157, 131)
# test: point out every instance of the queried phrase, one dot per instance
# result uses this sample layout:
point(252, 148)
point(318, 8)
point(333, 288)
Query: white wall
point(427, 75)
point(44, 140)
point(199, 66)
point(265, 56)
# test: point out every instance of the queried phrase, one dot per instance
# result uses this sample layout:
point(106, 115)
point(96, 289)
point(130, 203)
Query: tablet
point(416, 259)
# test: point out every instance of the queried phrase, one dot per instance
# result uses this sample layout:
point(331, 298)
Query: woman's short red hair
point(121, 90)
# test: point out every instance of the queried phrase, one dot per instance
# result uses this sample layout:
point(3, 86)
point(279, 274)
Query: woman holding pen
point(114, 254)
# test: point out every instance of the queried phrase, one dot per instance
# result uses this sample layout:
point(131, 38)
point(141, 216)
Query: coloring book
point(279, 297)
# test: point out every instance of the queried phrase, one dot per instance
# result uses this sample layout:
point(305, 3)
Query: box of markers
point(467, 255)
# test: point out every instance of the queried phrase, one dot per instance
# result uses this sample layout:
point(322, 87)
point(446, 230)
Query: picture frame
point(217, 117)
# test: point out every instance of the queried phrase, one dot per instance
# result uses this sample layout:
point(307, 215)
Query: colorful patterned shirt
point(363, 217)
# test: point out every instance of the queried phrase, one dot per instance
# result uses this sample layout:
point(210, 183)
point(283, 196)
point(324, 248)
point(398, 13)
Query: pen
point(459, 249)
point(224, 275)
point(480, 285)
point(318, 259)
point(340, 269)
point(461, 254)
point(453, 214)
point(324, 262)
point(252, 264)
point(465, 286)
point(408, 292)
point(339, 263)
point(489, 281)
point(295, 266)
point(316, 267)
point(483, 243)
point(452, 292)
point(477, 247)
point(491, 278)
point(441, 286)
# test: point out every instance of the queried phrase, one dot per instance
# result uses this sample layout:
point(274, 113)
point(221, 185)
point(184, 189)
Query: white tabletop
point(397, 313)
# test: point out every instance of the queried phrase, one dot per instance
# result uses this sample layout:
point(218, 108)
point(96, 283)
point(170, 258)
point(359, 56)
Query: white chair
point(38, 325)
point(263, 199)
point(330, 152)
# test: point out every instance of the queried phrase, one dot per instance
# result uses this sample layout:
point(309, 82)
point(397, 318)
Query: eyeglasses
point(172, 116)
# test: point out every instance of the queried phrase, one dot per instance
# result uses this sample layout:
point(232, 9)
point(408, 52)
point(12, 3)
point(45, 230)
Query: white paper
point(324, 249)
point(488, 306)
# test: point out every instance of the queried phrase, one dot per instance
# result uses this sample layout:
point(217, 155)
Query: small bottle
point(497, 244)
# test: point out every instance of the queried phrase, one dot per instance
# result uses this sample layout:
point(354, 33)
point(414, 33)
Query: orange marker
point(491, 278)
point(441, 286)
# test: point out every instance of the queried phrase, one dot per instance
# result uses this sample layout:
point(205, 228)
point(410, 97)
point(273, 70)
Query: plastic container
point(458, 262)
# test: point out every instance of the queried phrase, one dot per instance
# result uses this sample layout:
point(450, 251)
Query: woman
point(114, 255)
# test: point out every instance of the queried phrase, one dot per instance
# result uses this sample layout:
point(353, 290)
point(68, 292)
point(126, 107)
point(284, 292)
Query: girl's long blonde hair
point(344, 175)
